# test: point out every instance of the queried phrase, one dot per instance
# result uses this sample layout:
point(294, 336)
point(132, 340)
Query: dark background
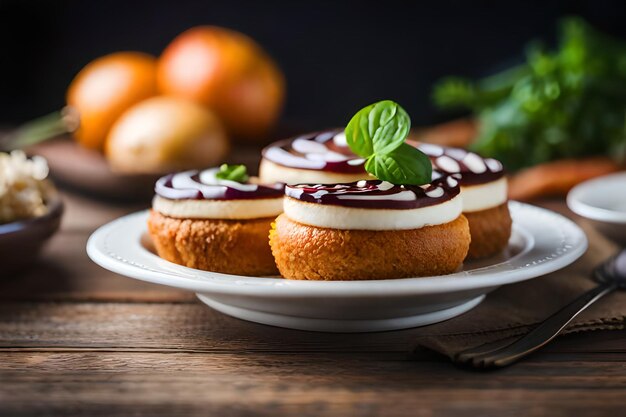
point(337, 55)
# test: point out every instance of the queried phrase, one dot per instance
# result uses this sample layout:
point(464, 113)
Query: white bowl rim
point(577, 205)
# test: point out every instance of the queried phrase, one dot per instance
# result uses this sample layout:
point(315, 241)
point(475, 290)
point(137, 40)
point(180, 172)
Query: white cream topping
point(219, 209)
point(448, 164)
point(430, 149)
point(308, 146)
point(325, 136)
point(328, 156)
point(435, 193)
point(209, 176)
point(195, 184)
point(474, 163)
point(210, 189)
point(355, 162)
point(399, 196)
point(385, 185)
point(314, 153)
point(458, 160)
point(289, 159)
point(455, 153)
point(340, 139)
point(484, 196)
point(349, 218)
point(494, 164)
point(269, 172)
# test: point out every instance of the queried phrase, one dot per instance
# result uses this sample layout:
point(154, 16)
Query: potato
point(164, 134)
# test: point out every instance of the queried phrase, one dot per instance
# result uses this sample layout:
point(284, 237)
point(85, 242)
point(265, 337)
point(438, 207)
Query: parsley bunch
point(566, 103)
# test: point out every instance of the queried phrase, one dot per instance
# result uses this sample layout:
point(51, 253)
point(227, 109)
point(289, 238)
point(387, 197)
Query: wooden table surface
point(76, 339)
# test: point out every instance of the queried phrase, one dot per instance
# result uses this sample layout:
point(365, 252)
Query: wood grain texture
point(76, 340)
point(190, 327)
point(64, 272)
point(164, 359)
point(146, 383)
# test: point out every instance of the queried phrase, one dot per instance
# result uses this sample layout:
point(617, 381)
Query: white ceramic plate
point(542, 242)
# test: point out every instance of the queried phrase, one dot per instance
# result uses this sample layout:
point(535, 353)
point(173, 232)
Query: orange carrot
point(558, 177)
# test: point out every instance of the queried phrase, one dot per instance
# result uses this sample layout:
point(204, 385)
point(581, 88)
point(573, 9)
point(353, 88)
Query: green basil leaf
point(404, 165)
point(378, 128)
point(357, 133)
point(236, 173)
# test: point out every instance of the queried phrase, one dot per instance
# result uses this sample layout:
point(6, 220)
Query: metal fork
point(610, 276)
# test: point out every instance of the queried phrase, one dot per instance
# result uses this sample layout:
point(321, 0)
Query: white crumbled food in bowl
point(23, 186)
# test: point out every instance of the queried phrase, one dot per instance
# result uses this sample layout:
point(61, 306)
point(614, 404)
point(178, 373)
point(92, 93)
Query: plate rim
point(211, 282)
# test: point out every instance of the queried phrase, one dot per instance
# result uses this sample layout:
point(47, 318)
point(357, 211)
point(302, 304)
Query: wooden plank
point(195, 328)
point(87, 214)
point(234, 384)
point(192, 327)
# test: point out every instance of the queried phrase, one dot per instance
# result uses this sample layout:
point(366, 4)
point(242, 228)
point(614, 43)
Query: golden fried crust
point(229, 246)
point(490, 230)
point(315, 253)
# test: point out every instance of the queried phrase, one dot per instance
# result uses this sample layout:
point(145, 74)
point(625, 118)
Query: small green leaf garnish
point(378, 133)
point(404, 165)
point(236, 173)
point(378, 128)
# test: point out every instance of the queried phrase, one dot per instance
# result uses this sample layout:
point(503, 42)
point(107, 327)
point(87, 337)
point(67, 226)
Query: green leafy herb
point(566, 103)
point(236, 173)
point(403, 165)
point(378, 128)
point(377, 133)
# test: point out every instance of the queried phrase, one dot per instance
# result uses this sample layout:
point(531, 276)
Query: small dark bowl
point(21, 241)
